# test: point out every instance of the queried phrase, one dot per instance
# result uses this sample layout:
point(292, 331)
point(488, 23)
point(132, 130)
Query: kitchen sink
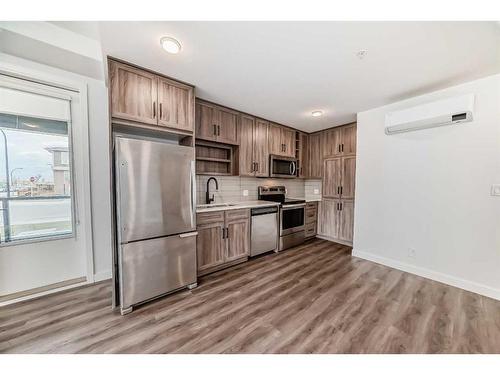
point(214, 205)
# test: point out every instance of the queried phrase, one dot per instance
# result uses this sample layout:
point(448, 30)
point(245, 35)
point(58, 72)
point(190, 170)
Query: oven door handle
point(289, 207)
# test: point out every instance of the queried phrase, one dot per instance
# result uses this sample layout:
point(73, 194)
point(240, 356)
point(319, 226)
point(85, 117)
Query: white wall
point(99, 156)
point(429, 190)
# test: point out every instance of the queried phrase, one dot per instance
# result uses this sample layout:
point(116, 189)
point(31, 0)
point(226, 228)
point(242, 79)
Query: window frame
point(36, 88)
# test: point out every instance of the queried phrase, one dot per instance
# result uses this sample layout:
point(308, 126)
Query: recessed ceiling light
point(361, 54)
point(170, 45)
point(317, 113)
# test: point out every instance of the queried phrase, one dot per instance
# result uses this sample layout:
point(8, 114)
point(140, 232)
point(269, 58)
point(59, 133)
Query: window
point(35, 178)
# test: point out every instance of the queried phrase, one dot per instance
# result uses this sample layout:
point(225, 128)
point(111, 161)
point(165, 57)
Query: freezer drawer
point(154, 267)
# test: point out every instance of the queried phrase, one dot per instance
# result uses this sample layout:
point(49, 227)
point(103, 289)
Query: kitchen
point(241, 187)
point(259, 170)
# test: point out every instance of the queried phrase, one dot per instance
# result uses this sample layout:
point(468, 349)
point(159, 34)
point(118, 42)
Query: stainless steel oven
point(292, 218)
point(282, 166)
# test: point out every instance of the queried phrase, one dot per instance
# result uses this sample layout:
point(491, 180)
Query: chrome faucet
point(209, 199)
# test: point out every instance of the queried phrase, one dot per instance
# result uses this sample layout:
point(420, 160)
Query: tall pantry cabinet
point(336, 210)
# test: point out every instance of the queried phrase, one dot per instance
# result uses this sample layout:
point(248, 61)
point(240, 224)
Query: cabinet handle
point(338, 189)
point(161, 111)
point(214, 129)
point(337, 206)
point(341, 190)
point(256, 167)
point(154, 109)
point(339, 148)
point(223, 233)
point(218, 130)
point(227, 232)
point(342, 147)
point(340, 206)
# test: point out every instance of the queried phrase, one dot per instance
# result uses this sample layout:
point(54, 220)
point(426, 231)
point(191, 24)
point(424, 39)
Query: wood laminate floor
point(315, 298)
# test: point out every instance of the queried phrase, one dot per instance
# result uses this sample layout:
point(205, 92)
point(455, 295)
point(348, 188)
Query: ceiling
point(282, 71)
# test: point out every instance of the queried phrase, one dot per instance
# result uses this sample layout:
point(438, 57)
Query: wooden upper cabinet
point(261, 148)
point(348, 140)
point(227, 131)
point(281, 140)
point(133, 93)
point(348, 176)
point(206, 120)
point(175, 105)
point(331, 143)
point(274, 140)
point(332, 180)
point(288, 139)
point(315, 164)
point(303, 155)
point(214, 123)
point(246, 149)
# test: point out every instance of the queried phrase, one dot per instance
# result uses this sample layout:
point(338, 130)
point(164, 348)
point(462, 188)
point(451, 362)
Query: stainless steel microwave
point(282, 166)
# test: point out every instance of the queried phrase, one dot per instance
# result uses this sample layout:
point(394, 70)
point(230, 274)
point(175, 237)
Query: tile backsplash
point(234, 188)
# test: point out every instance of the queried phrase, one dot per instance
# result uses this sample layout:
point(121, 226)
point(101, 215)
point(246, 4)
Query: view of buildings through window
point(35, 178)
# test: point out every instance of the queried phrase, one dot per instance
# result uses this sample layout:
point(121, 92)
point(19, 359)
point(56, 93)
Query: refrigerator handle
point(193, 191)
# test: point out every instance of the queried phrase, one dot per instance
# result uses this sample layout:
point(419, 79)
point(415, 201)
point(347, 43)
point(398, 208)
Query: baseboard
point(103, 275)
point(336, 240)
point(468, 285)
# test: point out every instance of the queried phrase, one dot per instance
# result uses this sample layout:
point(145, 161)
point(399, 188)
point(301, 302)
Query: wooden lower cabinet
point(311, 219)
point(346, 222)
point(210, 245)
point(336, 219)
point(223, 239)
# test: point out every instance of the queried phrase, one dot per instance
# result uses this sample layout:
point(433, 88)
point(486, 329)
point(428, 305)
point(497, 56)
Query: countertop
point(236, 206)
point(318, 199)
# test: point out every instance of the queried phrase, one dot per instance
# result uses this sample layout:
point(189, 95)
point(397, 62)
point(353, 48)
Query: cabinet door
point(246, 148)
point(275, 143)
point(176, 105)
point(288, 140)
point(261, 148)
point(206, 121)
point(346, 223)
point(133, 94)
point(348, 140)
point(315, 160)
point(332, 177)
point(210, 246)
point(348, 176)
point(328, 217)
point(303, 155)
point(331, 143)
point(238, 239)
point(227, 131)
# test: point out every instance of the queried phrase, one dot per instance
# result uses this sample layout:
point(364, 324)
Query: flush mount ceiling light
point(170, 45)
point(361, 54)
point(317, 113)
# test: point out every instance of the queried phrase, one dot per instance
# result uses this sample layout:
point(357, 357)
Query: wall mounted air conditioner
point(439, 113)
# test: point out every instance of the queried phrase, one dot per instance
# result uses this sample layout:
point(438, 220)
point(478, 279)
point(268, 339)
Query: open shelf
point(214, 158)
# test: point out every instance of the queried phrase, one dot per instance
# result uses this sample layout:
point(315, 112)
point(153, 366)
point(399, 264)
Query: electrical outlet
point(495, 190)
point(245, 193)
point(316, 191)
point(411, 253)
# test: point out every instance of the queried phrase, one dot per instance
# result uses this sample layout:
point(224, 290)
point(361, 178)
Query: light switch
point(316, 191)
point(245, 193)
point(495, 190)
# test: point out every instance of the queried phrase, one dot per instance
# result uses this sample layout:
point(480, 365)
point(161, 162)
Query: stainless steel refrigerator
point(155, 215)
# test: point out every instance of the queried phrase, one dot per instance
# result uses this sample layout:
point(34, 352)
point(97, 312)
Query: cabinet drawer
point(311, 216)
point(237, 214)
point(209, 217)
point(310, 230)
point(311, 205)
